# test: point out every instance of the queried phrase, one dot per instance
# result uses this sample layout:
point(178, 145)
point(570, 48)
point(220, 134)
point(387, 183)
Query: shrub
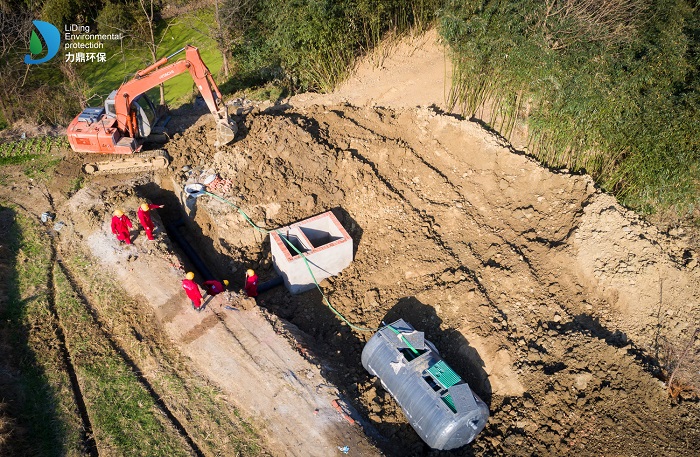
point(620, 106)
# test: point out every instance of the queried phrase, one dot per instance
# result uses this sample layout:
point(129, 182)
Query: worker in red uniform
point(192, 291)
point(251, 283)
point(121, 225)
point(144, 214)
point(214, 287)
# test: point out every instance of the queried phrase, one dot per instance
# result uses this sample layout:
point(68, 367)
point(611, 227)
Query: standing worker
point(144, 214)
point(251, 283)
point(121, 225)
point(214, 287)
point(192, 291)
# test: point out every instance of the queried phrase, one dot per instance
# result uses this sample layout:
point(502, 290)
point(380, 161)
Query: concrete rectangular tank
point(323, 241)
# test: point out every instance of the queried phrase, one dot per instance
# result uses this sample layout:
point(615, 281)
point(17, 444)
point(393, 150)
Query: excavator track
point(132, 163)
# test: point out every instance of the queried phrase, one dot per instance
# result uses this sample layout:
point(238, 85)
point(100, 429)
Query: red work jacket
point(121, 225)
point(213, 287)
point(192, 291)
point(251, 286)
point(145, 216)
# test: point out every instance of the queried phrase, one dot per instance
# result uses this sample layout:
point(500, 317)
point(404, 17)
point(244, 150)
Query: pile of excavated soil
point(547, 296)
point(537, 288)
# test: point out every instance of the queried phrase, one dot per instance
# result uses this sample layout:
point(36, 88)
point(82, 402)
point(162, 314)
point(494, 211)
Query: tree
point(117, 17)
point(228, 28)
point(147, 31)
point(16, 26)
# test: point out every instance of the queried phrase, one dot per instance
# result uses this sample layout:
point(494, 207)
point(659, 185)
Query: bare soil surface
point(546, 295)
point(243, 351)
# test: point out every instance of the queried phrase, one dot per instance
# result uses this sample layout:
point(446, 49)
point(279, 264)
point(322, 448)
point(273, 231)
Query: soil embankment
point(522, 277)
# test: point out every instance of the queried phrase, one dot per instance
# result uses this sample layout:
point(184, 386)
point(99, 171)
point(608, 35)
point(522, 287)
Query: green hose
point(306, 262)
point(410, 346)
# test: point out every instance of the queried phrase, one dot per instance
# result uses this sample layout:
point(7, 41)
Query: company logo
point(52, 38)
point(165, 75)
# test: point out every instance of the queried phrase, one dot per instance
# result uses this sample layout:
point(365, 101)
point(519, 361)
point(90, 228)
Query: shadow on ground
point(29, 421)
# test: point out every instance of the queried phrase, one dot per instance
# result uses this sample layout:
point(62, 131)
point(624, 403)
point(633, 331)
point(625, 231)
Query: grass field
point(37, 401)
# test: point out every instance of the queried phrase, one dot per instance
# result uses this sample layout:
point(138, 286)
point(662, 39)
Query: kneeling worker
point(214, 287)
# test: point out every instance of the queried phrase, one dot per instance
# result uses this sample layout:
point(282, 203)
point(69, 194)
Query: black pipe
point(174, 232)
point(271, 284)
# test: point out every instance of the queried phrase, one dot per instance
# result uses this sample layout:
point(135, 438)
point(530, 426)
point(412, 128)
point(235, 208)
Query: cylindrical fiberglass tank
point(439, 405)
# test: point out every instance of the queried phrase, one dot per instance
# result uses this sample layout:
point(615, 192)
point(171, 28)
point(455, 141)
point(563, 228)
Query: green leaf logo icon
point(35, 46)
point(46, 34)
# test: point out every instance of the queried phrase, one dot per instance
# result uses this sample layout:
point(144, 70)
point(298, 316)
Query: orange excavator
point(128, 117)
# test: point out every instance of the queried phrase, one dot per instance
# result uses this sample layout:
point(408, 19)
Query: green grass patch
point(270, 91)
point(40, 168)
point(105, 77)
point(43, 404)
point(125, 418)
point(38, 156)
point(15, 160)
point(76, 184)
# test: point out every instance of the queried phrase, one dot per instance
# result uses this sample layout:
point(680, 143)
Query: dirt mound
point(650, 278)
point(400, 73)
point(520, 276)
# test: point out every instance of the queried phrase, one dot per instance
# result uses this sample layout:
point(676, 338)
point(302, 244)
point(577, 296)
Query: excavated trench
point(326, 340)
point(522, 278)
point(192, 244)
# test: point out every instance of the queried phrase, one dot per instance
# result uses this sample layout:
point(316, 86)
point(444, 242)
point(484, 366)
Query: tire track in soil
point(91, 444)
point(87, 436)
point(158, 400)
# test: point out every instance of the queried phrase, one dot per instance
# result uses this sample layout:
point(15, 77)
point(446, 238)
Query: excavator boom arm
point(156, 74)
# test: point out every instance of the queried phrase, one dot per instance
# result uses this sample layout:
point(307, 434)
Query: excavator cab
point(143, 107)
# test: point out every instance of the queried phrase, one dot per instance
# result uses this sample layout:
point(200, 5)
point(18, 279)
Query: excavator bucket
point(225, 131)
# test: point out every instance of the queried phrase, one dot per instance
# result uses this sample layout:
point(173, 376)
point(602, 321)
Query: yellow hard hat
point(189, 275)
point(118, 212)
point(144, 206)
point(225, 282)
point(249, 273)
